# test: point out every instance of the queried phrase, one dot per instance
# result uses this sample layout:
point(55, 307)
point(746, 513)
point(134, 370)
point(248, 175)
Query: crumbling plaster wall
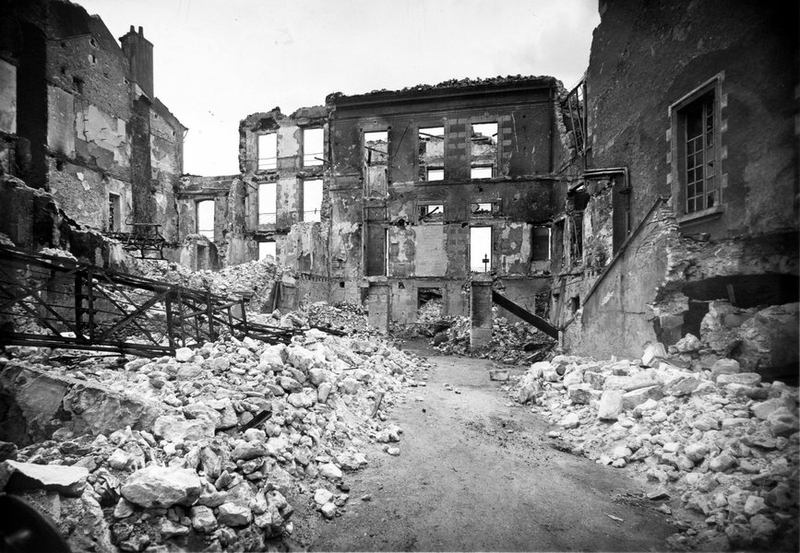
point(8, 97)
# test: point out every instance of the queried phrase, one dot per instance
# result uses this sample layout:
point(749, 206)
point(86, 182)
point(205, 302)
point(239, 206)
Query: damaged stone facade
point(79, 120)
point(406, 176)
point(687, 196)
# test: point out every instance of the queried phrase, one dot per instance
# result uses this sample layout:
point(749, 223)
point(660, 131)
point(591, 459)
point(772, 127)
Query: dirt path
point(475, 473)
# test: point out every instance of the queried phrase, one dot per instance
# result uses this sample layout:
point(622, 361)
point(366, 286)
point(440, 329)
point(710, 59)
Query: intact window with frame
point(696, 152)
point(267, 151)
point(313, 147)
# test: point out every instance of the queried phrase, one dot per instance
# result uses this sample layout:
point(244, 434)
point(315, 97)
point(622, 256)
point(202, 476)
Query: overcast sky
point(218, 61)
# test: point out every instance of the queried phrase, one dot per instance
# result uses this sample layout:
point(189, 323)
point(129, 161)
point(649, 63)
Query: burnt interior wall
point(32, 101)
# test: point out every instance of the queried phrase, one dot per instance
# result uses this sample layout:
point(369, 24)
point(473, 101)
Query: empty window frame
point(312, 200)
point(267, 203)
point(267, 151)
point(434, 174)
point(376, 148)
point(267, 249)
point(430, 142)
point(114, 213)
point(480, 249)
point(431, 213)
point(483, 150)
point(313, 147)
point(481, 172)
point(541, 243)
point(205, 218)
point(483, 209)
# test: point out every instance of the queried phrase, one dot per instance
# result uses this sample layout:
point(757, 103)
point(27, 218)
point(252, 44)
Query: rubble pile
point(512, 343)
point(718, 438)
point(204, 450)
point(343, 317)
point(254, 279)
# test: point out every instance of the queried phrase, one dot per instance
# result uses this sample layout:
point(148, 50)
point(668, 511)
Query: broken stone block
point(244, 451)
point(154, 487)
point(682, 386)
point(201, 410)
point(173, 428)
point(66, 480)
point(322, 496)
point(754, 505)
point(328, 510)
point(744, 390)
point(234, 514)
point(610, 406)
point(725, 366)
point(783, 422)
point(595, 379)
point(653, 352)
point(747, 379)
point(764, 409)
point(323, 392)
point(529, 386)
point(580, 394)
point(302, 400)
point(499, 375)
point(169, 529)
point(289, 384)
point(634, 398)
point(688, 344)
point(572, 420)
point(722, 462)
point(330, 471)
point(696, 452)
point(351, 460)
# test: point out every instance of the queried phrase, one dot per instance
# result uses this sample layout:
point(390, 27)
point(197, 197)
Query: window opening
point(542, 305)
point(267, 203)
point(267, 249)
point(312, 200)
point(431, 151)
point(267, 151)
point(483, 208)
point(483, 149)
point(435, 174)
point(481, 172)
point(114, 213)
point(205, 218)
point(576, 238)
point(541, 243)
point(699, 154)
point(430, 213)
point(430, 304)
point(480, 249)
point(313, 149)
point(376, 148)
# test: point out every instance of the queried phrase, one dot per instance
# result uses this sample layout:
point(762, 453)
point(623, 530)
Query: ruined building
point(395, 198)
point(79, 120)
point(689, 197)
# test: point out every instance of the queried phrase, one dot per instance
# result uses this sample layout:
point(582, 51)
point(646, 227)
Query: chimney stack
point(139, 52)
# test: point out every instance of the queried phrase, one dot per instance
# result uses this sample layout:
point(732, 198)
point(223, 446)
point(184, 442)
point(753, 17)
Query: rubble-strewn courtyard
point(488, 313)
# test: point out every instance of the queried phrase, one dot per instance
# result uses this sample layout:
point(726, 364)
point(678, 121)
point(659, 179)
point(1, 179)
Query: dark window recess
point(576, 239)
point(376, 250)
point(113, 212)
point(542, 305)
point(541, 243)
point(426, 295)
point(77, 85)
point(431, 153)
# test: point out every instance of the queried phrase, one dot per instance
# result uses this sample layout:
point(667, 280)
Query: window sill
point(711, 213)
